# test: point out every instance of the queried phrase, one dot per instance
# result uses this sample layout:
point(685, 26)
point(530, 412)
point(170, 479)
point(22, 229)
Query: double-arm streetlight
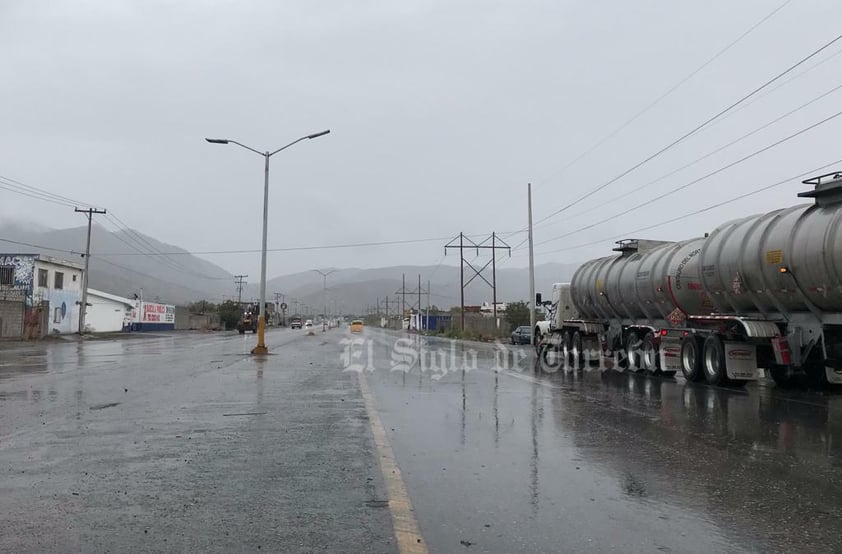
point(324, 275)
point(261, 320)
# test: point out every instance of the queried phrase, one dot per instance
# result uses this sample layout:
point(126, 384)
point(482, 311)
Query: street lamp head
point(317, 135)
point(217, 141)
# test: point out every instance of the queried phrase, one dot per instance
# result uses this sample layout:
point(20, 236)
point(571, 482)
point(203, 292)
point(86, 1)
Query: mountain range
point(180, 277)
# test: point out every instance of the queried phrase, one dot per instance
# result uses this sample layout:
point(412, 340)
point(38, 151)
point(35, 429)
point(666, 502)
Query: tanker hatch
point(827, 189)
point(628, 247)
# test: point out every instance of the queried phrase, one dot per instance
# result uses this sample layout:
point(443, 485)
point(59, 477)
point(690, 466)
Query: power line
point(694, 181)
point(135, 272)
point(779, 86)
point(709, 154)
point(691, 132)
point(18, 187)
point(294, 248)
point(696, 212)
point(39, 246)
point(145, 246)
point(669, 91)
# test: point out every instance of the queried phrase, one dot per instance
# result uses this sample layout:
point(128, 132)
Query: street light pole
point(261, 320)
point(324, 292)
point(261, 317)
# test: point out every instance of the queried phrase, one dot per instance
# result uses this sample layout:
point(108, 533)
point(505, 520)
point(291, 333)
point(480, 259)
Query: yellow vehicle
point(357, 326)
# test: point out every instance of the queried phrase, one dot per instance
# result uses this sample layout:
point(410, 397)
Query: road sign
point(283, 306)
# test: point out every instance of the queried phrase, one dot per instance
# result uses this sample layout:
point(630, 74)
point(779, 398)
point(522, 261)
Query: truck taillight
point(664, 332)
point(781, 348)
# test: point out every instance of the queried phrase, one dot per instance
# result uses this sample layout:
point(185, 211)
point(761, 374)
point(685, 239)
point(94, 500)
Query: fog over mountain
point(124, 262)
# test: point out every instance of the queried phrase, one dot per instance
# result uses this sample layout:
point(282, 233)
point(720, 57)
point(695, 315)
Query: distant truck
point(295, 323)
point(248, 321)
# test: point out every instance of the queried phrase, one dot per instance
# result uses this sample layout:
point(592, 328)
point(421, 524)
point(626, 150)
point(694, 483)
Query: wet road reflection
point(184, 443)
point(607, 461)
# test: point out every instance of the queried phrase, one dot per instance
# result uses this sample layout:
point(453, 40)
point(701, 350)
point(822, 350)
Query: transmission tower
point(240, 281)
point(492, 243)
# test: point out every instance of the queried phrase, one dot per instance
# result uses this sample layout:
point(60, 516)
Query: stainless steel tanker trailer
point(761, 292)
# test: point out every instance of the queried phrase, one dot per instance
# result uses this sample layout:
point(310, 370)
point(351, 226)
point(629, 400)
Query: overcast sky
point(440, 113)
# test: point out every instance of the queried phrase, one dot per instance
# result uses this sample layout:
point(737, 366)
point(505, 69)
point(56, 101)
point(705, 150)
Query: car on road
point(357, 326)
point(522, 335)
point(308, 324)
point(295, 323)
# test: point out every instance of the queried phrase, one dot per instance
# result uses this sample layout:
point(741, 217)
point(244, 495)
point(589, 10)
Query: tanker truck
point(762, 292)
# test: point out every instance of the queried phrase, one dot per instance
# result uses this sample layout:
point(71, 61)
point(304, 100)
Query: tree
point(230, 313)
point(517, 314)
point(202, 307)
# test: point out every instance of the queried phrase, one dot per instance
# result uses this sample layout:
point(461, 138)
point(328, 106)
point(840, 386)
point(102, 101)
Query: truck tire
point(242, 331)
point(650, 357)
point(633, 344)
point(576, 352)
point(691, 360)
point(714, 361)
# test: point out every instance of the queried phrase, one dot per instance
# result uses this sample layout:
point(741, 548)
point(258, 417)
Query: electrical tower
point(415, 293)
point(240, 281)
point(466, 243)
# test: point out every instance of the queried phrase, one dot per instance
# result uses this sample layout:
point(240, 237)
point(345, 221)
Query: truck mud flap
point(670, 353)
point(741, 361)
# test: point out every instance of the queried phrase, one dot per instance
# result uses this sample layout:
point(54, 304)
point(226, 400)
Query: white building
point(487, 309)
point(58, 282)
point(41, 295)
point(107, 313)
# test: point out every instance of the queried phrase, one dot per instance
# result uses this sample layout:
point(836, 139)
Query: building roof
point(58, 261)
point(112, 297)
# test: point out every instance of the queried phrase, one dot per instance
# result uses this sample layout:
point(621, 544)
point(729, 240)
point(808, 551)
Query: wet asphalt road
point(137, 445)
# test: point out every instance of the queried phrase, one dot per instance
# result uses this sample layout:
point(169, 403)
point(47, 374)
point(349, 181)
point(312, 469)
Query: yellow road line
point(403, 518)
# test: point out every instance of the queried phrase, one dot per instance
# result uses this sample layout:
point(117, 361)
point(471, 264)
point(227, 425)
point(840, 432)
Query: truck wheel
point(691, 360)
point(576, 351)
point(242, 331)
point(650, 357)
point(633, 352)
point(714, 361)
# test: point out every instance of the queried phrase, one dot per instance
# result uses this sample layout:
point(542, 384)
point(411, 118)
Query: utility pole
point(494, 278)
point(532, 305)
point(84, 305)
point(403, 300)
point(428, 304)
point(418, 322)
point(239, 281)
